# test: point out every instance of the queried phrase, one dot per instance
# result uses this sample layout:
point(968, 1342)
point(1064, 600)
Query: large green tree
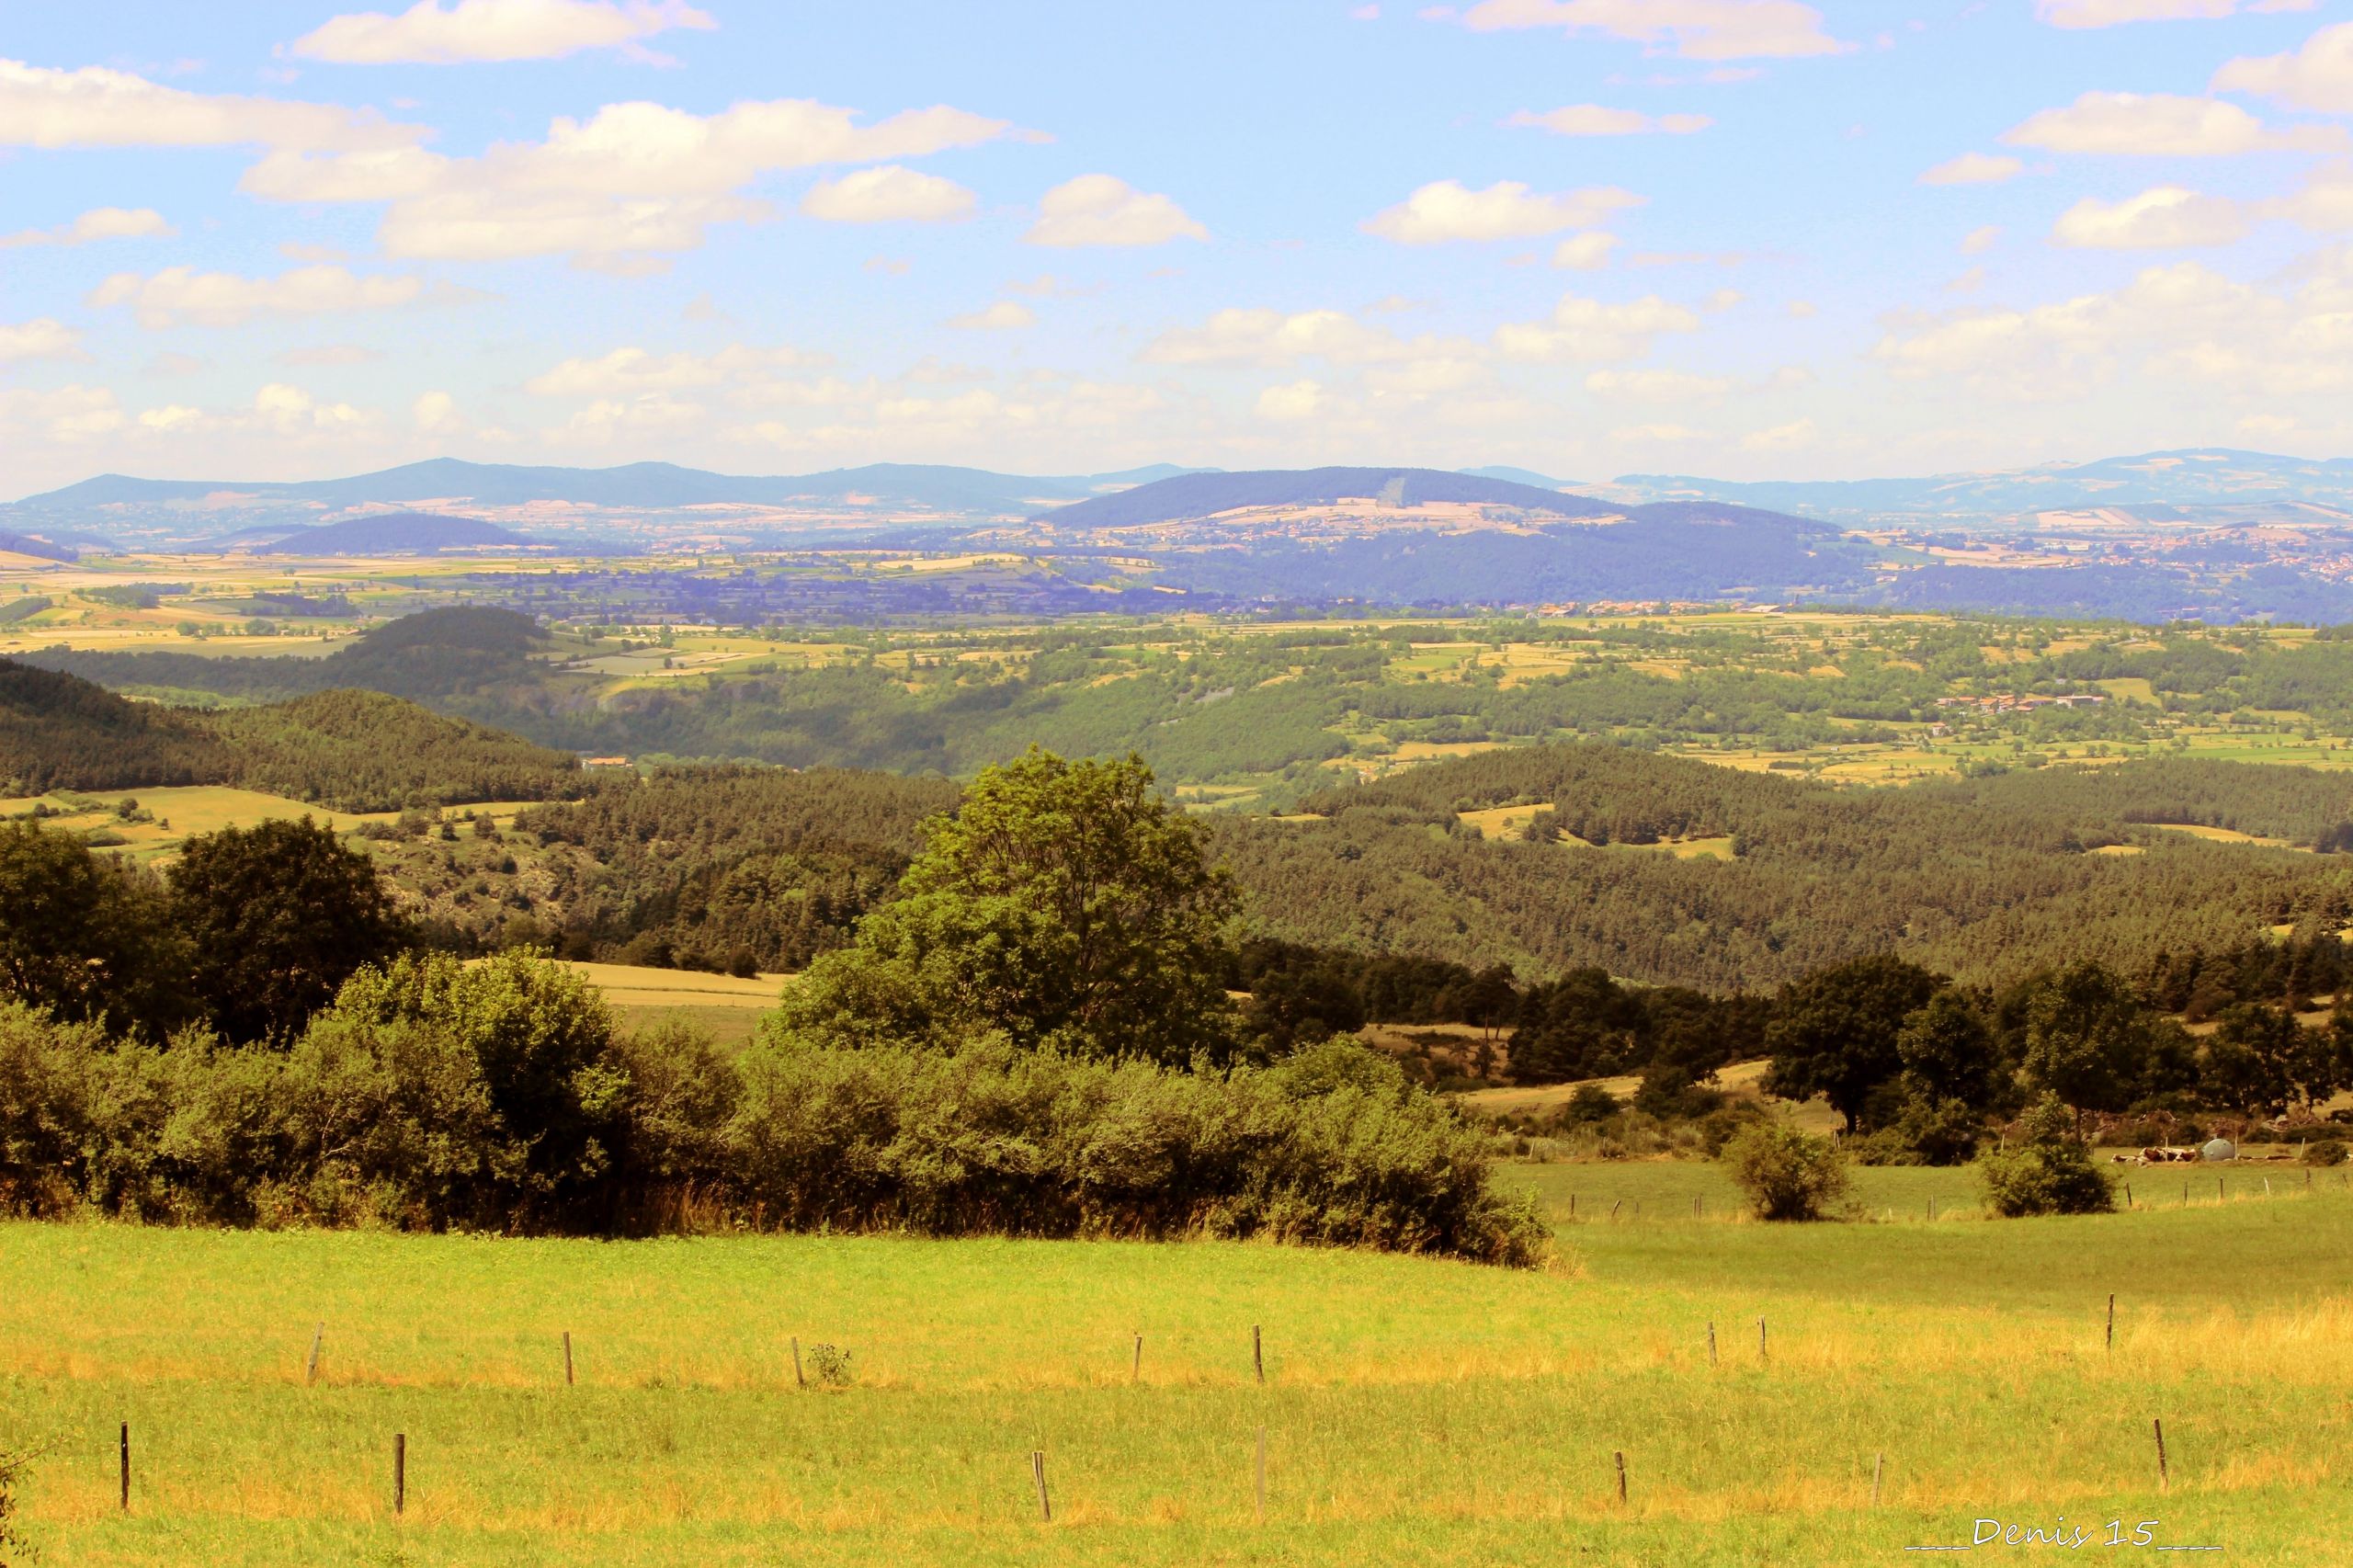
point(1063, 904)
point(2091, 1041)
point(277, 916)
point(86, 937)
point(1836, 1033)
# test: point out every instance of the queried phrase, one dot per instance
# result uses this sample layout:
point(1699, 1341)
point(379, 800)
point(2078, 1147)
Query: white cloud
point(2114, 13)
point(1582, 331)
point(2160, 125)
point(1973, 169)
point(2324, 204)
point(1588, 251)
point(1593, 119)
point(1977, 241)
point(1006, 315)
point(327, 354)
point(632, 371)
point(222, 299)
point(1101, 209)
point(469, 30)
point(1802, 310)
point(1796, 436)
point(39, 338)
point(1658, 386)
point(888, 195)
point(2317, 77)
point(1697, 29)
point(655, 413)
point(1299, 400)
point(2183, 326)
point(1271, 337)
point(436, 413)
point(2164, 217)
point(98, 223)
point(1444, 212)
point(634, 180)
point(94, 106)
point(69, 415)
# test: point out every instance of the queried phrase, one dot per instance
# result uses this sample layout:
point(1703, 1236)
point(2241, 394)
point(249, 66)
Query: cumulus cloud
point(68, 415)
point(2182, 325)
point(2317, 77)
point(1696, 30)
point(1973, 169)
point(1445, 211)
point(1273, 337)
point(1977, 241)
point(1583, 331)
point(1101, 210)
point(472, 30)
point(222, 299)
point(888, 195)
point(1796, 436)
point(1006, 315)
point(1593, 119)
point(96, 107)
point(436, 413)
point(2115, 13)
point(634, 179)
point(39, 338)
point(1588, 251)
point(2167, 217)
point(98, 223)
point(1658, 386)
point(630, 372)
point(2160, 125)
point(1299, 400)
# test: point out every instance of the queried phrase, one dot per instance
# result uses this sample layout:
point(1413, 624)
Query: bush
point(2327, 1152)
point(2050, 1171)
point(1923, 1132)
point(1786, 1174)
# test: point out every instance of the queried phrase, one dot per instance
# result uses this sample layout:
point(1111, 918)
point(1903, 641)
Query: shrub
point(2327, 1152)
point(1923, 1132)
point(16, 1552)
point(2050, 1171)
point(828, 1366)
point(1786, 1174)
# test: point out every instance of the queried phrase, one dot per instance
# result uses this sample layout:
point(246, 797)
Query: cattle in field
point(2168, 1156)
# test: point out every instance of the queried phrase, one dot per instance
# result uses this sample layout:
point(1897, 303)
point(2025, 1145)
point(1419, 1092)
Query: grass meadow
point(1414, 1411)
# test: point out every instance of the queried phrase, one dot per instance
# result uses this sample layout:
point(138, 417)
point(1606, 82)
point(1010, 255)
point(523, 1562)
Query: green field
point(1414, 1411)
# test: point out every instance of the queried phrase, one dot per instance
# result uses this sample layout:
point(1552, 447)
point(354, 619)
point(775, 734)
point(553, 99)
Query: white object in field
point(2219, 1149)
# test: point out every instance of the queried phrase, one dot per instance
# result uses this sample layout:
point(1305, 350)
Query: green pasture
point(1414, 1411)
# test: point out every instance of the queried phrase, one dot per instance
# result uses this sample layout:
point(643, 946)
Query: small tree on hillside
point(2089, 1040)
point(1786, 1174)
point(1835, 1033)
point(2048, 1169)
point(1065, 905)
point(277, 916)
point(85, 937)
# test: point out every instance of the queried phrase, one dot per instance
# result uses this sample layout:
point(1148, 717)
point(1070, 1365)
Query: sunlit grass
point(1415, 1412)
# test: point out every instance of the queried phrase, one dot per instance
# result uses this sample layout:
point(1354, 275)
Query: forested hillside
point(354, 751)
point(58, 733)
point(1985, 880)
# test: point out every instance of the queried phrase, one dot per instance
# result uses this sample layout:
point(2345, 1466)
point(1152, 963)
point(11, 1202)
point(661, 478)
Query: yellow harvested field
point(1739, 1078)
point(633, 985)
point(2221, 834)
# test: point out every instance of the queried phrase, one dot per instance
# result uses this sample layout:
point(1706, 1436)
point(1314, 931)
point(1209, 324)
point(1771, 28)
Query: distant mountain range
point(1202, 494)
point(647, 484)
point(378, 533)
point(2198, 477)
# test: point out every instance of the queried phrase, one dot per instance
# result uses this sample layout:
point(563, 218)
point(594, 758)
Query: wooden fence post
point(1760, 1339)
point(1621, 1456)
point(567, 1358)
point(1878, 1463)
point(126, 1467)
point(2164, 1477)
point(1712, 1343)
point(1257, 1353)
point(399, 1474)
point(1037, 1474)
point(2111, 1321)
point(1136, 1369)
point(798, 1381)
point(318, 1337)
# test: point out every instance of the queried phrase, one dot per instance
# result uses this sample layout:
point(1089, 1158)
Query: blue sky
point(1745, 238)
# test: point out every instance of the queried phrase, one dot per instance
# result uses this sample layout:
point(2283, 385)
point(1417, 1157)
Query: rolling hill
point(1187, 497)
point(390, 533)
point(351, 750)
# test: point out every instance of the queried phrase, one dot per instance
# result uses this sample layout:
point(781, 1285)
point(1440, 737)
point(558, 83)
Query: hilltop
point(1196, 495)
point(390, 533)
